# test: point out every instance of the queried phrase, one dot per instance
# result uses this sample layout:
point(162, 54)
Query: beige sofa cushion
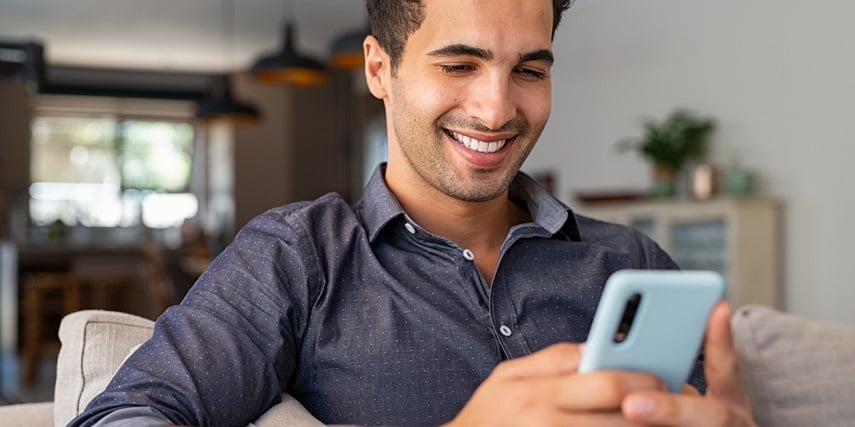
point(289, 412)
point(27, 415)
point(94, 345)
point(799, 372)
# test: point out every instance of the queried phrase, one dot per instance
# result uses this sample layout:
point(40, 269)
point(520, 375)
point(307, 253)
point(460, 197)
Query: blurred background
point(137, 137)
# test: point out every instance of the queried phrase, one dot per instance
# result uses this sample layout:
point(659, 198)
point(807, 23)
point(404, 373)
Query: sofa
point(798, 371)
point(94, 343)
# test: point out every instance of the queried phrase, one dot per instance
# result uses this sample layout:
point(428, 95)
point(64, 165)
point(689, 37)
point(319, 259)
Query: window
point(110, 170)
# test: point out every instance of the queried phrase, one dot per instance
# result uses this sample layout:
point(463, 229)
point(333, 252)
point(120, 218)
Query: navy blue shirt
point(366, 318)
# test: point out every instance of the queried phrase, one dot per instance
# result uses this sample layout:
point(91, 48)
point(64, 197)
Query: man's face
point(470, 97)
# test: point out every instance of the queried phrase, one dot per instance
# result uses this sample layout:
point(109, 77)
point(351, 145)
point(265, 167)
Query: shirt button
point(410, 228)
point(505, 330)
point(468, 255)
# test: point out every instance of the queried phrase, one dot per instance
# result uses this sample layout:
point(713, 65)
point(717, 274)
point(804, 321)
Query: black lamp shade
point(346, 50)
point(289, 66)
point(222, 105)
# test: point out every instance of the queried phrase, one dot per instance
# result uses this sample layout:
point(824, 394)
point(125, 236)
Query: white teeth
point(476, 145)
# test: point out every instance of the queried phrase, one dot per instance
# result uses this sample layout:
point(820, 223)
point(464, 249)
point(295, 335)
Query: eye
point(456, 68)
point(531, 74)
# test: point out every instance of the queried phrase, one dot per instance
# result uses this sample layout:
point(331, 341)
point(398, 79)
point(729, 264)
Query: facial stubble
point(422, 141)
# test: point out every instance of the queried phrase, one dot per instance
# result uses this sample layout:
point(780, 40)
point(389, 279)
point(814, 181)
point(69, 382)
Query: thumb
point(721, 364)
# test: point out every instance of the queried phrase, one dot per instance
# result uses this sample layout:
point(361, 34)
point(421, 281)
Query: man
point(452, 293)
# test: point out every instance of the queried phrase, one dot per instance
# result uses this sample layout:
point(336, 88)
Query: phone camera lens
point(627, 319)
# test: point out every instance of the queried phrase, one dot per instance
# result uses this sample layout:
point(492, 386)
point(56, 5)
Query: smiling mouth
point(476, 145)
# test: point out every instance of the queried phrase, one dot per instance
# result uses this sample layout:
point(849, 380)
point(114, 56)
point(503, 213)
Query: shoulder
point(302, 218)
point(308, 232)
point(594, 229)
point(290, 248)
point(300, 235)
point(624, 239)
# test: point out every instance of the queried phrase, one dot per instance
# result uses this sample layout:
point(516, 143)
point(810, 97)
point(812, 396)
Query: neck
point(480, 227)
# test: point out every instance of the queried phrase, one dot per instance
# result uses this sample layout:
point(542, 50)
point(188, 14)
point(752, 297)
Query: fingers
point(545, 389)
point(726, 403)
point(557, 359)
point(552, 372)
point(666, 409)
point(601, 390)
point(687, 389)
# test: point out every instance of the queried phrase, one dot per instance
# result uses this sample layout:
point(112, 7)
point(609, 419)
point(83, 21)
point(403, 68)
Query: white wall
point(778, 75)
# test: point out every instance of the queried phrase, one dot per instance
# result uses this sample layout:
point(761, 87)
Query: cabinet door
point(700, 245)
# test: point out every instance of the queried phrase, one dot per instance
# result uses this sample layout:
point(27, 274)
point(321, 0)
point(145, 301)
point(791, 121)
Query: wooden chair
point(48, 296)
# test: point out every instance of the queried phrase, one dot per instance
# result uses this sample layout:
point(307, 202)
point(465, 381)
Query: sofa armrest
point(27, 415)
point(94, 345)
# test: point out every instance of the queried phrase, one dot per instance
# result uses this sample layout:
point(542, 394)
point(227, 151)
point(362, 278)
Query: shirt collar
point(546, 211)
point(379, 206)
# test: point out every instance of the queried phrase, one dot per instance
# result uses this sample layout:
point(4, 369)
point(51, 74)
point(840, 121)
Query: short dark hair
point(392, 22)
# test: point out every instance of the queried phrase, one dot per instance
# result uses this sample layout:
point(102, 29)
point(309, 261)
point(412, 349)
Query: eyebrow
point(463, 50)
point(487, 55)
point(538, 55)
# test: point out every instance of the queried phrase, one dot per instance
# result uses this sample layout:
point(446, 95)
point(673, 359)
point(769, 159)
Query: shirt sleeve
point(225, 354)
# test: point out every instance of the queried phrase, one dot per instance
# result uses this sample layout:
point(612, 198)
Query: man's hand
point(544, 389)
point(725, 404)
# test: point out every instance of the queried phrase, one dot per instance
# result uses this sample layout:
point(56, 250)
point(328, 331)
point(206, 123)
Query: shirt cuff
point(140, 416)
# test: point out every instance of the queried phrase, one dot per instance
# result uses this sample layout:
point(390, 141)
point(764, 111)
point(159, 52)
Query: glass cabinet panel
point(700, 245)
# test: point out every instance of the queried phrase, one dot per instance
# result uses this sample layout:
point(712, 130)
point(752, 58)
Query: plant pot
point(740, 183)
point(664, 181)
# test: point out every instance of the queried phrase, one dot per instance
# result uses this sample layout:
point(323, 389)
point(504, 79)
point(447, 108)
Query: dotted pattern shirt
point(365, 317)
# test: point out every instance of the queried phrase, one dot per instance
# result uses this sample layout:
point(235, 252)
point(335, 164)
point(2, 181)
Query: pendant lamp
point(219, 103)
point(222, 105)
point(346, 50)
point(288, 66)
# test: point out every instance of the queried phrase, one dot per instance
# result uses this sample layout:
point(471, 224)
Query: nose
point(492, 102)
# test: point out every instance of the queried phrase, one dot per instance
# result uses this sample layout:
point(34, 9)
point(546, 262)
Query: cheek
point(433, 96)
point(437, 100)
point(536, 107)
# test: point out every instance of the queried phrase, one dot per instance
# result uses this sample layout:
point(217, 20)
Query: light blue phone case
point(668, 328)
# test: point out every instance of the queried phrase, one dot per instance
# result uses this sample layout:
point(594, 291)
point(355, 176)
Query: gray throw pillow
point(798, 371)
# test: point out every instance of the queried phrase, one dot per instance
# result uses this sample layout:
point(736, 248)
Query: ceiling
point(174, 35)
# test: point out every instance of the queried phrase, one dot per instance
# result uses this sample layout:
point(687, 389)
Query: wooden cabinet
point(739, 238)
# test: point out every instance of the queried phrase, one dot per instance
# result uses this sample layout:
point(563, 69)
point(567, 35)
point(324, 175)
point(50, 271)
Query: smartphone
point(652, 321)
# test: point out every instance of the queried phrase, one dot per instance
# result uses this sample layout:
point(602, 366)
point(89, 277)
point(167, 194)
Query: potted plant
point(670, 144)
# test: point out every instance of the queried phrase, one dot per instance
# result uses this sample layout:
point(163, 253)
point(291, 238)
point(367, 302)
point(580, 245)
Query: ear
point(377, 67)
